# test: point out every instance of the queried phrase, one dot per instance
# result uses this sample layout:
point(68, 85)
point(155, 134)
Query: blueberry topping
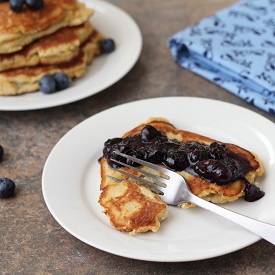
point(176, 160)
point(213, 170)
point(1, 152)
point(149, 133)
point(217, 150)
point(107, 45)
point(47, 84)
point(252, 192)
point(109, 143)
point(34, 4)
point(215, 162)
point(16, 5)
point(153, 154)
point(7, 187)
point(62, 81)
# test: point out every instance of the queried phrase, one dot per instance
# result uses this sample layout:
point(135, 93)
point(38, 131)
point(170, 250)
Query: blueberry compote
point(214, 162)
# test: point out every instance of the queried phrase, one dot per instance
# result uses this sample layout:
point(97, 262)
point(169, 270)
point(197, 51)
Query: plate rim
point(253, 240)
point(9, 103)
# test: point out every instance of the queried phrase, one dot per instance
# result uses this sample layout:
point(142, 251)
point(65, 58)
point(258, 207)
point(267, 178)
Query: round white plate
point(104, 71)
point(71, 180)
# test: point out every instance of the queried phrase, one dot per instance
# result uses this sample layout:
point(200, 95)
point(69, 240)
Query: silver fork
point(174, 190)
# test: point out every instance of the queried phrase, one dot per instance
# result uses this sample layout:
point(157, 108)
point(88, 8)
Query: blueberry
point(108, 145)
point(107, 45)
point(1, 152)
point(120, 147)
point(176, 160)
point(154, 154)
point(214, 171)
point(34, 4)
point(62, 81)
point(194, 155)
point(234, 166)
point(217, 150)
point(253, 193)
point(16, 5)
point(47, 84)
point(149, 133)
point(7, 187)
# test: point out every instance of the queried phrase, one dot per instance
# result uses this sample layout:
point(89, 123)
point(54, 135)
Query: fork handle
point(262, 229)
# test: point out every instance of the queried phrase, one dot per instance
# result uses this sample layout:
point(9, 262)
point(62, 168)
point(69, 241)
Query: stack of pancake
point(56, 38)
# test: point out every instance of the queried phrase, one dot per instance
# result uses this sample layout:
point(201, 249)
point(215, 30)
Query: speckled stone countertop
point(31, 240)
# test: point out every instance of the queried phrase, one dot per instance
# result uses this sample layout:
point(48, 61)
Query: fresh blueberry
point(7, 187)
point(34, 4)
point(47, 84)
point(107, 45)
point(1, 152)
point(16, 5)
point(62, 81)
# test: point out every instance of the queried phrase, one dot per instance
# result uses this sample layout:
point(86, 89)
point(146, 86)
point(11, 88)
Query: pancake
point(132, 207)
point(59, 47)
point(25, 80)
point(201, 187)
point(20, 29)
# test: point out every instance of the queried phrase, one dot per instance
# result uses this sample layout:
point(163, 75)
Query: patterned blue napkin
point(234, 48)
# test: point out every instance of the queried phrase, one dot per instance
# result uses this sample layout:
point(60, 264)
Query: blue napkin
point(234, 48)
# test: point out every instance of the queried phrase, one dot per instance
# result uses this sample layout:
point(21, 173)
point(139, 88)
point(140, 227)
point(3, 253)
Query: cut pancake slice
point(132, 207)
point(59, 47)
point(25, 80)
point(20, 29)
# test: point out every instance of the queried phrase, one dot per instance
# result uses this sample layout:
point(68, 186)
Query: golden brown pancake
point(20, 29)
point(25, 80)
point(204, 189)
point(59, 47)
point(132, 207)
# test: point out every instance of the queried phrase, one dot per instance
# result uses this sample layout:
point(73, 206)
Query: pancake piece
point(20, 29)
point(59, 47)
point(132, 207)
point(203, 188)
point(25, 80)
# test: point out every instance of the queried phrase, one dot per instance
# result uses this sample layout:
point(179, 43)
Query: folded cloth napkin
point(234, 48)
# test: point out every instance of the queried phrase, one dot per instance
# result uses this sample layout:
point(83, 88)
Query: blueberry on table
point(1, 152)
point(47, 84)
point(107, 45)
point(34, 4)
point(16, 5)
point(62, 81)
point(7, 187)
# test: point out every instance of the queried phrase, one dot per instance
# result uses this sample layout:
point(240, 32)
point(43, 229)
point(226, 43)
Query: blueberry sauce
point(214, 163)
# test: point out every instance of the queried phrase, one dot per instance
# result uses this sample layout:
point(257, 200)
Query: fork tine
point(145, 163)
point(149, 184)
point(157, 179)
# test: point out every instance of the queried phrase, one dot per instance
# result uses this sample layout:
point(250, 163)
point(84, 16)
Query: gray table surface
point(31, 241)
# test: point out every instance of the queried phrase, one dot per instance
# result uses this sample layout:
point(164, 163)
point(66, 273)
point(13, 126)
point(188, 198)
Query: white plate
point(71, 179)
point(105, 69)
